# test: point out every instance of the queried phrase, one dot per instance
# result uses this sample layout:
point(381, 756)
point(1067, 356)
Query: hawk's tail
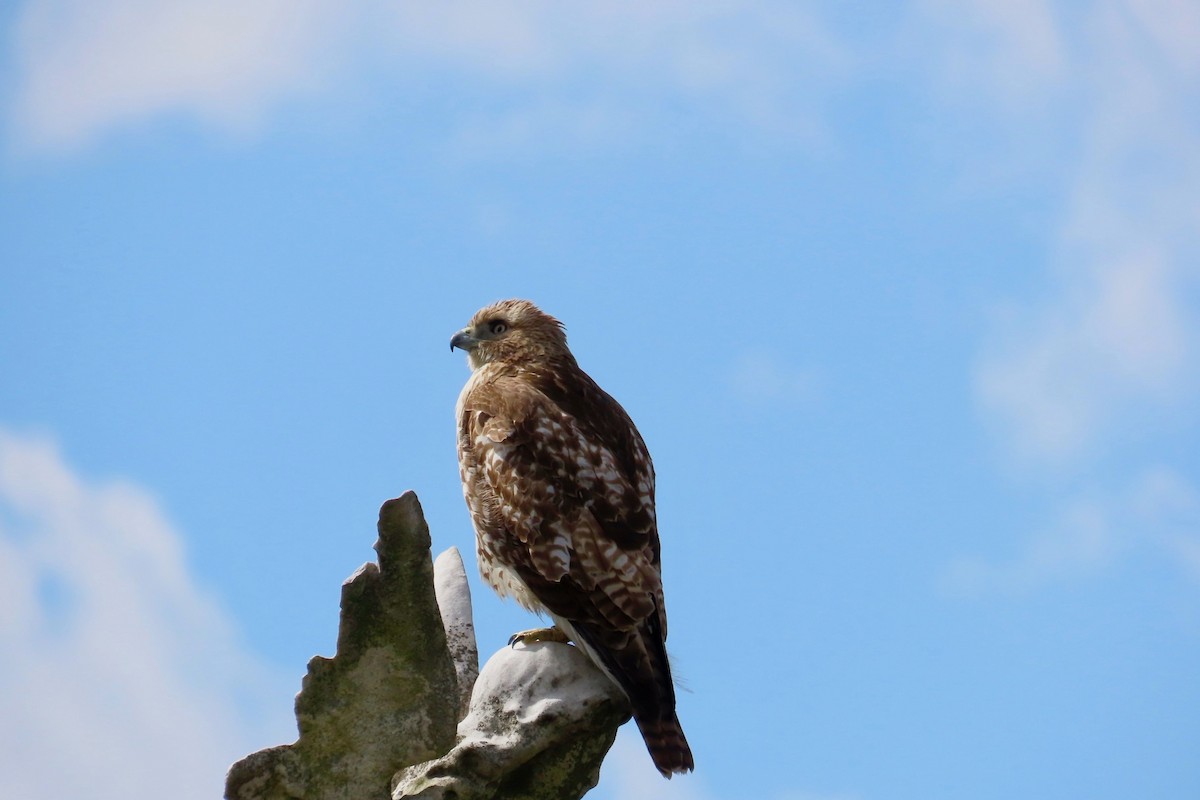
point(639, 665)
point(667, 745)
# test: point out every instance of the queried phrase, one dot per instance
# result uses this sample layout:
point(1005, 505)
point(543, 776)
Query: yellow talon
point(538, 635)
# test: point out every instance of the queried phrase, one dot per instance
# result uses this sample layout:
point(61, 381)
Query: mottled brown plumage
point(560, 488)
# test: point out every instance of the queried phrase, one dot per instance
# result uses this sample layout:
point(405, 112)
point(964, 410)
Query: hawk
point(560, 488)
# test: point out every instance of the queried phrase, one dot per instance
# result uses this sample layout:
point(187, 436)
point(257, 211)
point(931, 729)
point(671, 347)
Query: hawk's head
point(511, 331)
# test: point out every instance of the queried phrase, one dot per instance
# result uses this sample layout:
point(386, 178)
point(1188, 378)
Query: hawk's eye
point(497, 327)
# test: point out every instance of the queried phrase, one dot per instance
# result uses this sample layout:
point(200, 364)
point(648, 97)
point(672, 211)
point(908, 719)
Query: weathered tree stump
point(381, 717)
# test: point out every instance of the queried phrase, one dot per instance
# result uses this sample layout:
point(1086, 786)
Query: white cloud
point(1168, 506)
point(1103, 358)
point(1117, 339)
point(1159, 512)
point(1174, 26)
point(759, 378)
point(1081, 542)
point(90, 66)
point(629, 773)
point(1012, 50)
point(1114, 342)
point(85, 67)
point(121, 677)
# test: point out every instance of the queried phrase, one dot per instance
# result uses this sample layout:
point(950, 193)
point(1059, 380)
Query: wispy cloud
point(1010, 51)
point(1090, 535)
point(1168, 506)
point(1081, 542)
point(628, 772)
point(85, 68)
point(1103, 355)
point(759, 379)
point(90, 66)
point(1117, 341)
point(118, 671)
point(1114, 337)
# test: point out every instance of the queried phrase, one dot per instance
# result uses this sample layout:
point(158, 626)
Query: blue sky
point(903, 300)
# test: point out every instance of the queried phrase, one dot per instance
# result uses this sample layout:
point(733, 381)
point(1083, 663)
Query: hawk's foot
point(538, 635)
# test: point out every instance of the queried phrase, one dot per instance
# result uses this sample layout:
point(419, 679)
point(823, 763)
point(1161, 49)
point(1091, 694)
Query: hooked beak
point(463, 340)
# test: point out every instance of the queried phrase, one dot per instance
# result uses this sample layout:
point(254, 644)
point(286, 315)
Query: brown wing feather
point(561, 488)
point(566, 498)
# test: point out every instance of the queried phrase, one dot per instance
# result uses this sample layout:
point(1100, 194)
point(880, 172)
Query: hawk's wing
point(562, 490)
point(580, 524)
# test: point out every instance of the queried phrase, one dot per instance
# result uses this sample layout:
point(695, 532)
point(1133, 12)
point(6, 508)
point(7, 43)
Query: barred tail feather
point(667, 745)
point(641, 668)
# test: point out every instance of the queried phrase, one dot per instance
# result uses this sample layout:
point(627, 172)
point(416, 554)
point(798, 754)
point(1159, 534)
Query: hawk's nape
point(560, 488)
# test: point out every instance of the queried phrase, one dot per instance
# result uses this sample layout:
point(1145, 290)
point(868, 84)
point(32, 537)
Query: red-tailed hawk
point(561, 492)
